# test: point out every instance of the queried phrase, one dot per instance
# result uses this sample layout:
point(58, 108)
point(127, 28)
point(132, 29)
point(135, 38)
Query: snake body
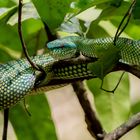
point(129, 50)
point(18, 78)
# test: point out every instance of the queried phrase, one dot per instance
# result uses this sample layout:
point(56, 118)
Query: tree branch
point(5, 126)
point(93, 123)
point(124, 128)
point(86, 60)
point(21, 37)
point(94, 126)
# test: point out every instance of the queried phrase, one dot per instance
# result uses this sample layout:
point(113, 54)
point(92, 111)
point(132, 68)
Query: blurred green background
point(53, 116)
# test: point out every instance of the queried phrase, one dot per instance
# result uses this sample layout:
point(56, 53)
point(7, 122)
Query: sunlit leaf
point(52, 12)
point(136, 10)
point(28, 12)
point(38, 126)
point(5, 16)
point(113, 109)
point(7, 3)
point(96, 31)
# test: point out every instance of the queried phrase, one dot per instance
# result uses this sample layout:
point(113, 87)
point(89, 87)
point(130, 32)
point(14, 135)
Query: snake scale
point(18, 79)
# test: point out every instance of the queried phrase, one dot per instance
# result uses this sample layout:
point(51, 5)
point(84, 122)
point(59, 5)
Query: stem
point(124, 128)
point(93, 123)
point(128, 13)
point(21, 37)
point(5, 127)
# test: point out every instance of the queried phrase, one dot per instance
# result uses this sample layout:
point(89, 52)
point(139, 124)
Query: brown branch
point(93, 123)
point(5, 126)
point(86, 60)
point(124, 128)
point(128, 68)
point(135, 70)
point(21, 36)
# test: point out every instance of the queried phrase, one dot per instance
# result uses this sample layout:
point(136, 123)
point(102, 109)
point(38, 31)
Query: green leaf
point(113, 109)
point(72, 26)
point(52, 12)
point(34, 36)
point(7, 14)
point(4, 56)
point(136, 10)
point(84, 4)
point(132, 30)
point(7, 3)
point(95, 31)
point(104, 64)
point(28, 12)
point(9, 38)
point(37, 127)
point(135, 107)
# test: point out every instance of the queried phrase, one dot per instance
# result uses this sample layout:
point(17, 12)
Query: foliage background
point(90, 18)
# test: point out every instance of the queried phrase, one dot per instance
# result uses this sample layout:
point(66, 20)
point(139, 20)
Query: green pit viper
point(18, 79)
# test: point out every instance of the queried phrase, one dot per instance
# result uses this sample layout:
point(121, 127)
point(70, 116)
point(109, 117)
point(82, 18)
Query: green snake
point(129, 50)
point(18, 79)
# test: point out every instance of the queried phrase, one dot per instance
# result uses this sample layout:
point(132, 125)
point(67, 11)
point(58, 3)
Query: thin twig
point(93, 123)
point(128, 13)
point(124, 128)
point(21, 37)
point(125, 67)
point(5, 126)
point(118, 83)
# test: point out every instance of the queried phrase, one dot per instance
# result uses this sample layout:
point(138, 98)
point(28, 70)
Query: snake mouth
point(63, 54)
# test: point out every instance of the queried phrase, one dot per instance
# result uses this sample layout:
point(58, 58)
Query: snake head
point(63, 48)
